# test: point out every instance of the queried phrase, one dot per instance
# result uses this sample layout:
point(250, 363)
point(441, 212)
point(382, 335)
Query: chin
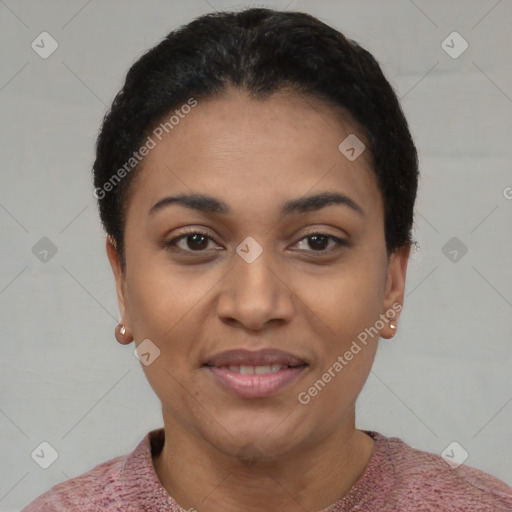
point(266, 433)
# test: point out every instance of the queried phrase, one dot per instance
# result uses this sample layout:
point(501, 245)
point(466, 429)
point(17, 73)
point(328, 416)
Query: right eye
point(193, 240)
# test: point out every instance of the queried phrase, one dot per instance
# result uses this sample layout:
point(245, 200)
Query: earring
point(122, 335)
point(392, 326)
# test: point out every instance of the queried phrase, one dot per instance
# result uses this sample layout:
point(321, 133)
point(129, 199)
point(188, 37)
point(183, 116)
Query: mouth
point(250, 374)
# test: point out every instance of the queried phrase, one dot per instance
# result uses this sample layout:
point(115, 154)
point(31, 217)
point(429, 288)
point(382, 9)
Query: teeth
point(262, 370)
point(255, 370)
point(246, 370)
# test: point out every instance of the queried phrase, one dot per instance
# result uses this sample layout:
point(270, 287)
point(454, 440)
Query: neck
point(199, 476)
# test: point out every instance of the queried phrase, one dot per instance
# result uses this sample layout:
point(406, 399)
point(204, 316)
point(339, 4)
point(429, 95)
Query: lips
point(264, 357)
point(255, 374)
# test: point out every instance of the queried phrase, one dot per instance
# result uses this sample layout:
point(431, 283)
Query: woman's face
point(252, 279)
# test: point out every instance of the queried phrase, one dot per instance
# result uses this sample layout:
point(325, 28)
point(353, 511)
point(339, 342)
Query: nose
point(254, 294)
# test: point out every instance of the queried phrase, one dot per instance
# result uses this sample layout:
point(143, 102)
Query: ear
point(119, 276)
point(395, 284)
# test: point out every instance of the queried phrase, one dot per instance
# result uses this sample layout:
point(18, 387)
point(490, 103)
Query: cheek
point(169, 306)
point(346, 312)
point(349, 343)
point(335, 389)
point(160, 295)
point(162, 305)
point(347, 299)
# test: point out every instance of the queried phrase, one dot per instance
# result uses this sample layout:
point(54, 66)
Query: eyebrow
point(211, 205)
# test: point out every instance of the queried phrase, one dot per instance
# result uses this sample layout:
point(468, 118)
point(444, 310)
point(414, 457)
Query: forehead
point(257, 154)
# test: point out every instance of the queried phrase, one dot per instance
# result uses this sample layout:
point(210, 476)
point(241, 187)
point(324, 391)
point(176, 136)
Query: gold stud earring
point(122, 335)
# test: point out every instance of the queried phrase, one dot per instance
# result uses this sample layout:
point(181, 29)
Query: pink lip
point(255, 386)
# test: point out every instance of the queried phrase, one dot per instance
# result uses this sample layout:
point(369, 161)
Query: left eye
point(318, 241)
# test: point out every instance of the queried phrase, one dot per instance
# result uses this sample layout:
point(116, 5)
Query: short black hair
point(260, 51)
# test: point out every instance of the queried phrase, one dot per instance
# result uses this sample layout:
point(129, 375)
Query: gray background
point(65, 380)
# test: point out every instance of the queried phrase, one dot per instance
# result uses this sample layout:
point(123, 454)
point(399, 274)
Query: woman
point(256, 179)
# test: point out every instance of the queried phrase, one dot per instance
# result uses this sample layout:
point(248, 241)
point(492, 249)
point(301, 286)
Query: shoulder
point(426, 481)
point(91, 491)
point(115, 485)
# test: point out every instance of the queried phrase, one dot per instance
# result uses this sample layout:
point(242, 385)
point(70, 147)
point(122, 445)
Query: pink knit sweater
point(397, 478)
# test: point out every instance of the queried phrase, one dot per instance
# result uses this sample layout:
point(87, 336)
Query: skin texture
point(255, 156)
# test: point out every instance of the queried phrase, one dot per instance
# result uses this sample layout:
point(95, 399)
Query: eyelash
point(194, 231)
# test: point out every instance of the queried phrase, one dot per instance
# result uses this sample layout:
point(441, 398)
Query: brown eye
point(196, 241)
point(318, 242)
point(192, 241)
